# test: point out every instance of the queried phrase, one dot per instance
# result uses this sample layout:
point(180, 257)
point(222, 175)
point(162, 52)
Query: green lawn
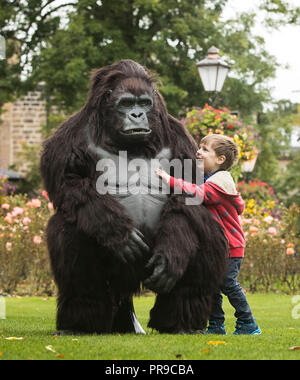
point(34, 320)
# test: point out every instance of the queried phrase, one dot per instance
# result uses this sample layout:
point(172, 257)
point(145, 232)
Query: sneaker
point(215, 329)
point(243, 328)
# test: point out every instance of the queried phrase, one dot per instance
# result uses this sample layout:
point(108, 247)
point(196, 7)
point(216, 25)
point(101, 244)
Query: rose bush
point(24, 262)
point(272, 260)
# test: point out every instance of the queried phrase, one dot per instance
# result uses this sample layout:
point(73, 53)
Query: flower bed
point(272, 261)
point(24, 262)
point(260, 199)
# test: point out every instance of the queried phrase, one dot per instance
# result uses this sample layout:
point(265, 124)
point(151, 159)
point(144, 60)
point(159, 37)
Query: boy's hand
point(165, 176)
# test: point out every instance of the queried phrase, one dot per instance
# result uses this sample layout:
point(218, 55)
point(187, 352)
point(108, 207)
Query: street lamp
point(213, 71)
point(2, 48)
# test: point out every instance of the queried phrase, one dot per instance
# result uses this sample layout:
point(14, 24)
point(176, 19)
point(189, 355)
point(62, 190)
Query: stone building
point(21, 123)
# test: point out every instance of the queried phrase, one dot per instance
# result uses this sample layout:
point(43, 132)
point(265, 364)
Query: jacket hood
point(224, 180)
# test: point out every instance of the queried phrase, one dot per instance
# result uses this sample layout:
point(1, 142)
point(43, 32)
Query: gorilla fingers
point(135, 249)
point(160, 281)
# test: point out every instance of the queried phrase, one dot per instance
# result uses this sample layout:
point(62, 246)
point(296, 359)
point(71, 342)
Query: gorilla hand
point(135, 248)
point(161, 281)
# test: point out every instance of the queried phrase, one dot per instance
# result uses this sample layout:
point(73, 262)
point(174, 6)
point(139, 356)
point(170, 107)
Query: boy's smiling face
point(211, 161)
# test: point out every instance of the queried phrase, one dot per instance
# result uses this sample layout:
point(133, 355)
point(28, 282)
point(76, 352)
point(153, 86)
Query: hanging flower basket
point(204, 121)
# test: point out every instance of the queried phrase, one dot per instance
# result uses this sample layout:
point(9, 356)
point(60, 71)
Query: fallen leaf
point(205, 351)
point(50, 348)
point(60, 355)
point(1, 353)
point(178, 356)
point(215, 342)
point(294, 348)
point(74, 340)
point(14, 338)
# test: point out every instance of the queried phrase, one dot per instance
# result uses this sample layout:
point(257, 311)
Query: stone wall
point(21, 123)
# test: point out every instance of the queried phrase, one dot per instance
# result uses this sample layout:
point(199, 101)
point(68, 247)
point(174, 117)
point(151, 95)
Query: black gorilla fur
point(89, 231)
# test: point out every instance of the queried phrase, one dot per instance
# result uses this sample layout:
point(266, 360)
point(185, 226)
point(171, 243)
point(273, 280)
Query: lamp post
point(213, 72)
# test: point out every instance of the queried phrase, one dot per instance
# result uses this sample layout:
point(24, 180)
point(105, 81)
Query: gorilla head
point(126, 109)
point(132, 104)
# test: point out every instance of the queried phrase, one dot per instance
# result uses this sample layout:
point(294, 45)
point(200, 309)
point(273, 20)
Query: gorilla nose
point(137, 116)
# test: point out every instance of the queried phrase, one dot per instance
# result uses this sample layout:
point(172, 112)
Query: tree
point(275, 127)
point(61, 42)
point(25, 25)
point(168, 37)
point(280, 12)
point(289, 185)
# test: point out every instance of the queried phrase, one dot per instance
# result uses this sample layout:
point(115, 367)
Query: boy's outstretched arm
point(205, 191)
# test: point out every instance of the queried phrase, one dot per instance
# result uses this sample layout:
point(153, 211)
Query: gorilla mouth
point(136, 131)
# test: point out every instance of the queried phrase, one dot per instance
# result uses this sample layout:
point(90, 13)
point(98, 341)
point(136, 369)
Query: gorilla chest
point(135, 184)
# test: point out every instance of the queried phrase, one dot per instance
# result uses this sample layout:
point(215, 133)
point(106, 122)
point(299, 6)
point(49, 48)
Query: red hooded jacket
point(225, 204)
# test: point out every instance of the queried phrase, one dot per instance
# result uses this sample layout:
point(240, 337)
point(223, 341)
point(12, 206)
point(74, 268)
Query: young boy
point(219, 154)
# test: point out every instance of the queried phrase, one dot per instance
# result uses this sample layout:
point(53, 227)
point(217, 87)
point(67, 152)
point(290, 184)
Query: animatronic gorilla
point(103, 245)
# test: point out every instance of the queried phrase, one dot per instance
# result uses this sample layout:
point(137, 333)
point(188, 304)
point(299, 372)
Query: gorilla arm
point(176, 245)
point(67, 178)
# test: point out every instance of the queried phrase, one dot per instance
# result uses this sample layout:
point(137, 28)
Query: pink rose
point(253, 229)
point(17, 211)
point(50, 206)
point(8, 246)
point(5, 206)
point(272, 231)
point(9, 218)
point(37, 240)
point(45, 195)
point(26, 221)
point(36, 203)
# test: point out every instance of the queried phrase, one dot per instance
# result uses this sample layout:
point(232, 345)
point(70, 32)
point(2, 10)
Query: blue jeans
point(233, 290)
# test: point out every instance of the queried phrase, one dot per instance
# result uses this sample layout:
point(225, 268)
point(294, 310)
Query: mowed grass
point(33, 319)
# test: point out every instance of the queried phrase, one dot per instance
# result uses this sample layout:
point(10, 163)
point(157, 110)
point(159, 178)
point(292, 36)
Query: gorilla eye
point(145, 103)
point(126, 102)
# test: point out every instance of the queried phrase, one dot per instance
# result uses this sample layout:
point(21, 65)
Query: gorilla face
point(132, 112)
point(132, 116)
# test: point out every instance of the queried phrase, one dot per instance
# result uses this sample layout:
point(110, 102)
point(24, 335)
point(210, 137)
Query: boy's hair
point(223, 146)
